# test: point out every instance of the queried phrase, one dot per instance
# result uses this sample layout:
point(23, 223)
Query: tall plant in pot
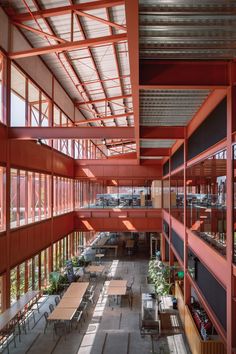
point(159, 274)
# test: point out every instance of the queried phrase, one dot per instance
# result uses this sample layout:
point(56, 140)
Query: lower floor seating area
point(108, 324)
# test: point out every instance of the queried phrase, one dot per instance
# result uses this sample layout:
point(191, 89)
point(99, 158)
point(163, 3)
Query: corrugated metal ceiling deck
point(186, 29)
point(170, 107)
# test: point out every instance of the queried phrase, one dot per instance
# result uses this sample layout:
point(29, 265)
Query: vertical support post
point(231, 96)
point(7, 105)
point(187, 287)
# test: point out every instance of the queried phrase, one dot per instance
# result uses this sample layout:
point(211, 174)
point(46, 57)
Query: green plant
point(56, 283)
point(160, 276)
point(75, 261)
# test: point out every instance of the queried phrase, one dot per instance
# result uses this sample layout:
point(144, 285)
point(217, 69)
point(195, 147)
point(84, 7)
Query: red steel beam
point(58, 11)
point(105, 99)
point(91, 42)
point(102, 20)
point(162, 132)
point(155, 152)
point(132, 23)
point(30, 133)
point(115, 116)
point(189, 74)
point(40, 33)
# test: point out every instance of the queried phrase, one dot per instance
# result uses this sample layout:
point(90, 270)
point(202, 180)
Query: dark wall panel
point(212, 290)
point(166, 168)
point(167, 251)
point(177, 159)
point(178, 244)
point(211, 131)
point(166, 228)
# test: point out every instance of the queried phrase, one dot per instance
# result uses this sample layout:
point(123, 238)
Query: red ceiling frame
point(39, 32)
point(58, 11)
point(105, 99)
point(94, 5)
point(162, 132)
point(115, 116)
point(96, 68)
point(169, 74)
point(116, 61)
point(101, 20)
point(91, 42)
point(32, 133)
point(132, 23)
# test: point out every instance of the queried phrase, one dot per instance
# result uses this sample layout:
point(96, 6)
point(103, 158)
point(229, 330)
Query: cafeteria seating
point(51, 308)
point(59, 329)
point(77, 318)
point(57, 300)
point(46, 321)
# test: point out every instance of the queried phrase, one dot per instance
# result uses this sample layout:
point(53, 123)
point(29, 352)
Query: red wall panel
point(62, 164)
point(62, 225)
point(118, 224)
point(118, 171)
point(29, 240)
point(31, 156)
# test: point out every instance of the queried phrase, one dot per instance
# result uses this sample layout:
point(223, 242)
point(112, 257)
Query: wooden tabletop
point(116, 290)
point(62, 314)
point(76, 290)
point(18, 306)
point(120, 283)
point(69, 302)
point(95, 268)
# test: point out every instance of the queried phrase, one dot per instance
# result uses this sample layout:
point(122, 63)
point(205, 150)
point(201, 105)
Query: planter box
point(196, 343)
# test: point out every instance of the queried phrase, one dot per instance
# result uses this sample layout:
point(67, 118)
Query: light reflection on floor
point(90, 335)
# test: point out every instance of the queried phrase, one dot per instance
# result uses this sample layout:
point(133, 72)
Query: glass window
point(22, 191)
point(1, 292)
point(18, 97)
point(177, 196)
point(13, 285)
point(22, 279)
point(1, 89)
point(206, 200)
point(37, 196)
point(234, 210)
point(13, 198)
point(2, 198)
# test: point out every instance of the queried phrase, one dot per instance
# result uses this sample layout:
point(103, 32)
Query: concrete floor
point(108, 329)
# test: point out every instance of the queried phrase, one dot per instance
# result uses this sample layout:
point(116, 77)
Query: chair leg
point(45, 327)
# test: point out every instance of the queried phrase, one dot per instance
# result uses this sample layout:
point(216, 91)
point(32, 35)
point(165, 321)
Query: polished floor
point(109, 328)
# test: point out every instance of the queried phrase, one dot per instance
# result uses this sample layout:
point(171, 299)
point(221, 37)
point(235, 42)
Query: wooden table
point(76, 290)
point(64, 314)
point(116, 290)
point(17, 307)
point(95, 268)
point(119, 283)
point(69, 302)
